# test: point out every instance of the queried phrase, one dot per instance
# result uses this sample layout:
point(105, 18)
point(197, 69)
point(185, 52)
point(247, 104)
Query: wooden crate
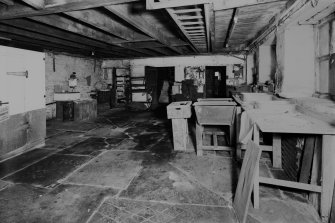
point(179, 110)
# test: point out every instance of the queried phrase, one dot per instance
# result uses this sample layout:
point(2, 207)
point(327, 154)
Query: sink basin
point(67, 96)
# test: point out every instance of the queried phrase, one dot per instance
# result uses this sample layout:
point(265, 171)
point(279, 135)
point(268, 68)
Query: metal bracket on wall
point(3, 103)
point(20, 73)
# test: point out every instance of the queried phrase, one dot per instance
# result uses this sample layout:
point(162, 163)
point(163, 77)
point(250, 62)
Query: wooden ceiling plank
point(194, 28)
point(218, 4)
point(137, 21)
point(192, 23)
point(107, 24)
point(150, 4)
point(183, 11)
point(7, 2)
point(20, 11)
point(231, 4)
point(37, 4)
point(196, 31)
point(188, 17)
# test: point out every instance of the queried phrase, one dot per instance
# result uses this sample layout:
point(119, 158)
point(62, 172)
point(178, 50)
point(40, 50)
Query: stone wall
point(88, 72)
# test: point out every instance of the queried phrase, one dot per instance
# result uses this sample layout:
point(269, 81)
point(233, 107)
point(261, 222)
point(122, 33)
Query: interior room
point(167, 111)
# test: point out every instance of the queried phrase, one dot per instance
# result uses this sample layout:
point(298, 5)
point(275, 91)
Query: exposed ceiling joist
point(20, 10)
point(231, 28)
point(161, 51)
point(64, 32)
point(7, 2)
point(122, 11)
point(38, 36)
point(218, 4)
point(150, 44)
point(71, 26)
point(107, 24)
point(37, 4)
point(209, 21)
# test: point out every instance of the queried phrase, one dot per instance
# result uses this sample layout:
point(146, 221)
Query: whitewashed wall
point(23, 94)
point(137, 65)
point(296, 56)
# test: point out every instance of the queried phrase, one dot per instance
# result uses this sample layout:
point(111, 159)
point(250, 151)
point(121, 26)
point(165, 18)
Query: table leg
point(199, 131)
point(276, 151)
point(256, 181)
point(328, 175)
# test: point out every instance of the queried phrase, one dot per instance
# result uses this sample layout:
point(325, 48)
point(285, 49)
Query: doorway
point(215, 82)
point(159, 80)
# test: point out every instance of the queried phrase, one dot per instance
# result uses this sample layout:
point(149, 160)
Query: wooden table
point(298, 123)
point(214, 114)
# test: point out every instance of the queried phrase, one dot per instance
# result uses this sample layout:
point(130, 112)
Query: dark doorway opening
point(215, 82)
point(160, 80)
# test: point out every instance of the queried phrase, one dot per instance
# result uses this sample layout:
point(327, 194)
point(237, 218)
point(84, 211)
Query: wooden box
point(179, 110)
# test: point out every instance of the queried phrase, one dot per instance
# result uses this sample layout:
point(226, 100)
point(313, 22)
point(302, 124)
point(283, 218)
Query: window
point(324, 55)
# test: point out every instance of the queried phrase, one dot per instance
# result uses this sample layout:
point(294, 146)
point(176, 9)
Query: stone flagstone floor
point(121, 167)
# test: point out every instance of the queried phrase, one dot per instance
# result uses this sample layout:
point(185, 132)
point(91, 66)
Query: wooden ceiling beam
point(38, 36)
point(231, 27)
point(71, 26)
point(14, 33)
point(160, 51)
point(51, 7)
point(7, 2)
point(107, 24)
point(61, 34)
point(210, 25)
point(136, 20)
point(37, 4)
point(149, 44)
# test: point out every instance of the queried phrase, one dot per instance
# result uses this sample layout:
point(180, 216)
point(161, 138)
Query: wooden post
point(256, 181)
point(199, 131)
point(179, 127)
point(276, 151)
point(237, 134)
point(328, 175)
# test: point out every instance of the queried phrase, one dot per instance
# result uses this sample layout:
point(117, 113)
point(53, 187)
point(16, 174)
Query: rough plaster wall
point(137, 65)
point(297, 62)
point(267, 62)
point(250, 67)
point(280, 50)
point(65, 65)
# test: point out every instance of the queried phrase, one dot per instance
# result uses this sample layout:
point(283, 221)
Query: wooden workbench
point(297, 123)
